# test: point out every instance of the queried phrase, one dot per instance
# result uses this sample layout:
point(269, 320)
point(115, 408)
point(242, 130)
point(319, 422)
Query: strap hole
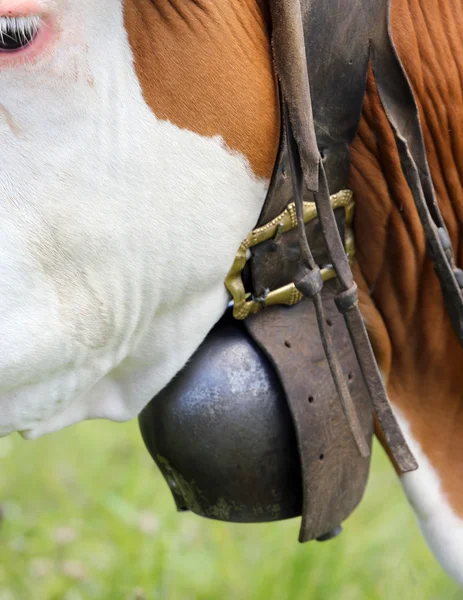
point(321, 457)
point(287, 344)
point(329, 322)
point(311, 399)
point(350, 377)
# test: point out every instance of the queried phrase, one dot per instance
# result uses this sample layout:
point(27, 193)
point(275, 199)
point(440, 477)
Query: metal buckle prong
point(279, 232)
point(262, 298)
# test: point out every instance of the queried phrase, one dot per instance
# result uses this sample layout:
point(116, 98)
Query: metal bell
point(222, 435)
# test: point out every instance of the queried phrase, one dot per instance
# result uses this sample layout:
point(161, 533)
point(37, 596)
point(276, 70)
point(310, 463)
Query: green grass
point(87, 515)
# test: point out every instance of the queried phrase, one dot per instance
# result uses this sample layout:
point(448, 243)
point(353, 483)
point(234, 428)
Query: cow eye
point(17, 32)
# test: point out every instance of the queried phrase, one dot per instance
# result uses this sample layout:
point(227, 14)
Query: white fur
point(116, 231)
point(441, 527)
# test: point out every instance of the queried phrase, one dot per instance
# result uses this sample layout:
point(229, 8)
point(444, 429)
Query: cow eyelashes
point(17, 32)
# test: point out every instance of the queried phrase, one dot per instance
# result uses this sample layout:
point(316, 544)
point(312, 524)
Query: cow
point(138, 141)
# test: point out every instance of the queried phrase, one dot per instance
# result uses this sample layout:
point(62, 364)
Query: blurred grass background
point(86, 515)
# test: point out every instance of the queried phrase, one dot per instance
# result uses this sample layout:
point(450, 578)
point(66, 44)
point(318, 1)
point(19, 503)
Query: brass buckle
point(243, 303)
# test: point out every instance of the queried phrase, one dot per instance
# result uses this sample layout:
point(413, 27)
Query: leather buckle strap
point(244, 303)
point(311, 275)
point(289, 47)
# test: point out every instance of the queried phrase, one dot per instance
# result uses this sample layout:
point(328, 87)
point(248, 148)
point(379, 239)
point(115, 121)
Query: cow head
point(117, 227)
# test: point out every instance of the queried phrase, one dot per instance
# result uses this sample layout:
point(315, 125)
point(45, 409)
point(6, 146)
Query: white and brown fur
point(137, 147)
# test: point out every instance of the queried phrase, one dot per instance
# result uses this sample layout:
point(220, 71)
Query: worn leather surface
point(322, 51)
point(275, 263)
point(329, 45)
point(334, 474)
point(321, 54)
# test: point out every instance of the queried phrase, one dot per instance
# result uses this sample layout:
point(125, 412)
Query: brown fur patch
point(401, 297)
point(206, 66)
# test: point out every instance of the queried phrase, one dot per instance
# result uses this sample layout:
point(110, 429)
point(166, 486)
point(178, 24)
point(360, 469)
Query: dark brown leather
point(336, 40)
point(337, 90)
point(322, 51)
point(334, 474)
point(399, 104)
point(333, 42)
point(275, 263)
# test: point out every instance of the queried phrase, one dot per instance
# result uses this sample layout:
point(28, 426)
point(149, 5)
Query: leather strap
point(336, 40)
point(334, 473)
point(322, 51)
point(291, 64)
point(309, 283)
point(400, 107)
